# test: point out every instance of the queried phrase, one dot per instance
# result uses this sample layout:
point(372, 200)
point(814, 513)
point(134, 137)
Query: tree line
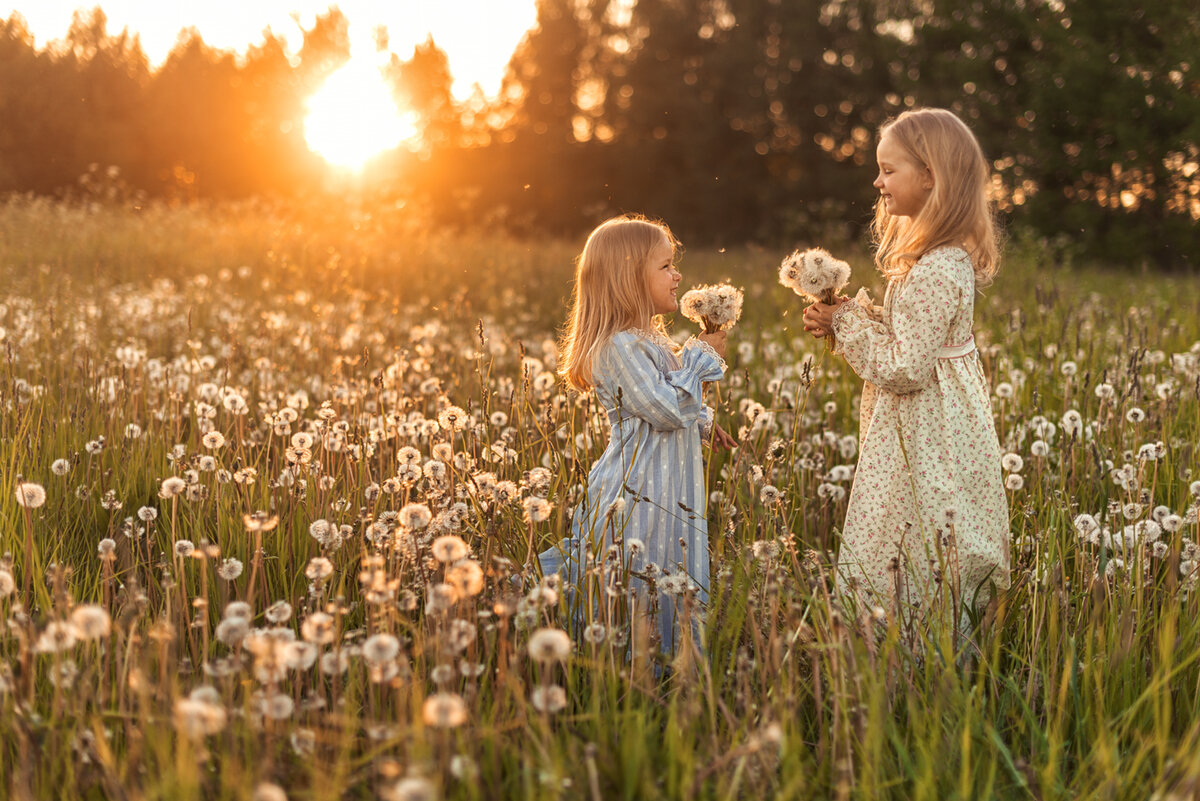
point(733, 120)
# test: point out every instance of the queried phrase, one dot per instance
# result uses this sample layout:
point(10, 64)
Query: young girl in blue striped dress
point(644, 506)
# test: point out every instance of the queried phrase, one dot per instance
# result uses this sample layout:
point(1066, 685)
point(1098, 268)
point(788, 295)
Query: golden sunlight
point(354, 117)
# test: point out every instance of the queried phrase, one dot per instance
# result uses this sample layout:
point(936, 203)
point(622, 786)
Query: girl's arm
point(667, 402)
point(901, 358)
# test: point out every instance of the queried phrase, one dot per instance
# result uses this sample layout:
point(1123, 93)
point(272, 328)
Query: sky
point(477, 35)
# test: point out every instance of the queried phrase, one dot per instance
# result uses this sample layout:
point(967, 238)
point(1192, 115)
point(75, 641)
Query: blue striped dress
point(644, 508)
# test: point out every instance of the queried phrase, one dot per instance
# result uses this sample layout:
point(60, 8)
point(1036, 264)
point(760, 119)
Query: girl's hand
point(818, 318)
point(721, 439)
point(716, 340)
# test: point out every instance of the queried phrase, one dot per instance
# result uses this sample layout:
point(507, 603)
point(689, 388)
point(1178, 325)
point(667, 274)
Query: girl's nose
point(878, 183)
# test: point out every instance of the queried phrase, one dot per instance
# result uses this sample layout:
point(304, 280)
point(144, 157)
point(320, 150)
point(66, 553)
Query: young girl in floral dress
point(644, 507)
point(927, 517)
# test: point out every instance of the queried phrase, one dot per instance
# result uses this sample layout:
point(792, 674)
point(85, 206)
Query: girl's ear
point(927, 181)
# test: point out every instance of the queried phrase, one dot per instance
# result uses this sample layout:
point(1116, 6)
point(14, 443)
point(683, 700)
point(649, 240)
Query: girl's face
point(663, 279)
point(903, 184)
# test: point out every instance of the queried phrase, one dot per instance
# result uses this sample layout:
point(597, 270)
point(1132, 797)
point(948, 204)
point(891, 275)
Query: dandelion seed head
point(548, 699)
point(449, 548)
point(415, 516)
point(444, 711)
point(30, 495)
point(380, 648)
point(1135, 414)
point(60, 467)
point(91, 622)
point(550, 645)
point(7, 584)
point(453, 418)
point(594, 633)
point(213, 440)
point(184, 548)
point(172, 487)
point(196, 719)
point(232, 630)
point(59, 635)
point(278, 612)
point(229, 569)
point(1014, 482)
point(319, 568)
point(238, 609)
point(537, 510)
point(1012, 462)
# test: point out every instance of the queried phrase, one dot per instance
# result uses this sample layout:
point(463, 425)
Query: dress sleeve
point(640, 388)
point(901, 358)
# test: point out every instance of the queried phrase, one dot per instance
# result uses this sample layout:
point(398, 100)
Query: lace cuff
point(707, 418)
point(707, 348)
point(842, 317)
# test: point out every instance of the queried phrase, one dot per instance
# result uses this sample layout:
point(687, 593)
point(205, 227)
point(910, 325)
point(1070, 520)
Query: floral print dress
point(927, 510)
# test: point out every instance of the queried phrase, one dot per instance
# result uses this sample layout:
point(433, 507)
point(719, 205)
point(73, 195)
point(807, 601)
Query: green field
point(371, 659)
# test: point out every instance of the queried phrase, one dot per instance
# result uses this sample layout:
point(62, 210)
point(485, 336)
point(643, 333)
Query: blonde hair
point(612, 292)
point(957, 212)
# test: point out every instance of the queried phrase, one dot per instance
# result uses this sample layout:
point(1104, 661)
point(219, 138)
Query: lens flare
point(353, 117)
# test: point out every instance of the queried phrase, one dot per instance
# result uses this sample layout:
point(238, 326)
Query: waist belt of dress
point(954, 351)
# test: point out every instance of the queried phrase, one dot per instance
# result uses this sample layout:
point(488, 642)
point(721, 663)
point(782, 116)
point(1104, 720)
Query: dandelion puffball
point(30, 496)
point(550, 645)
point(715, 306)
point(814, 274)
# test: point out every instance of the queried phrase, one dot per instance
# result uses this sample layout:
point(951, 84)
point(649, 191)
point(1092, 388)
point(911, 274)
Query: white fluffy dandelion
point(537, 510)
point(550, 645)
point(30, 495)
point(91, 622)
point(379, 649)
point(415, 516)
point(717, 307)
point(449, 548)
point(548, 698)
point(816, 275)
point(8, 584)
point(213, 440)
point(444, 711)
point(229, 569)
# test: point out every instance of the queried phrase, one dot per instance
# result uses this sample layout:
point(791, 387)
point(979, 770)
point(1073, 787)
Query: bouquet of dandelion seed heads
point(717, 307)
point(816, 275)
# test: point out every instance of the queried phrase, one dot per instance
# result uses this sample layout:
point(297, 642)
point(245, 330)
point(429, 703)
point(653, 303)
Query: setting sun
point(353, 117)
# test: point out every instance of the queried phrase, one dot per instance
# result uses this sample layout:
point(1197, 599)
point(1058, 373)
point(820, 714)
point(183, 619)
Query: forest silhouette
point(736, 120)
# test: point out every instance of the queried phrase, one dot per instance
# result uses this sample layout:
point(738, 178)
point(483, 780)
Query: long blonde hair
point(958, 211)
point(612, 291)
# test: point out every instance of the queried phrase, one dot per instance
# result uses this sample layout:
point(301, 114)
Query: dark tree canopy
point(733, 120)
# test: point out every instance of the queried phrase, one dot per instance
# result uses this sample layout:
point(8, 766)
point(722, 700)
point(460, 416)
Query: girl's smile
point(903, 184)
point(663, 279)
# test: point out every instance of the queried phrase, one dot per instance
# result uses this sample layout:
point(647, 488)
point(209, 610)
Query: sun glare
point(354, 117)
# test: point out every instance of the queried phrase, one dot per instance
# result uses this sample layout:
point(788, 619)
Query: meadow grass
point(335, 599)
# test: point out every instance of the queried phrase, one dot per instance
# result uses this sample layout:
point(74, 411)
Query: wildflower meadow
point(273, 479)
